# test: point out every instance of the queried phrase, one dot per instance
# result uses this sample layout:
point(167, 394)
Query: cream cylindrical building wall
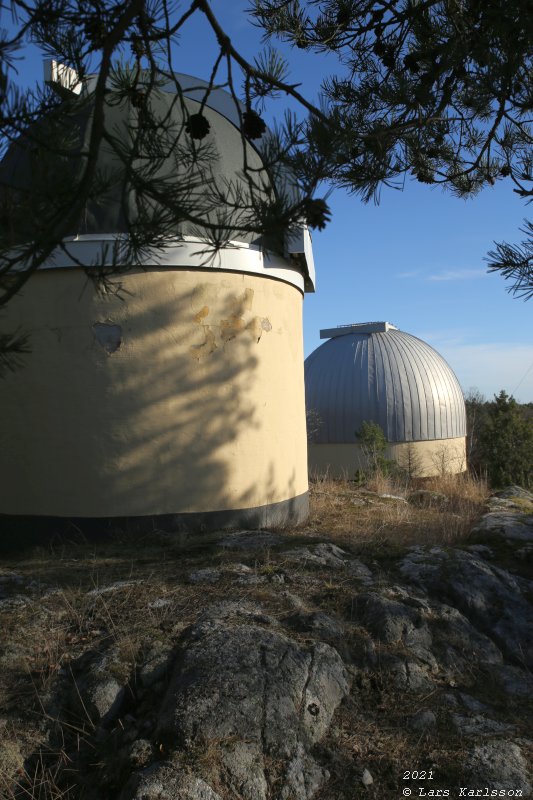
point(171, 401)
point(375, 373)
point(171, 396)
point(417, 459)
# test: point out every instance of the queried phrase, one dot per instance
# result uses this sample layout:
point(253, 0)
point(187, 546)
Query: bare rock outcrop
point(491, 598)
point(274, 677)
point(250, 694)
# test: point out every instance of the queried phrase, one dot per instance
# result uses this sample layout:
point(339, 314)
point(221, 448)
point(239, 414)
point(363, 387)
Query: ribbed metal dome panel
point(216, 172)
point(391, 378)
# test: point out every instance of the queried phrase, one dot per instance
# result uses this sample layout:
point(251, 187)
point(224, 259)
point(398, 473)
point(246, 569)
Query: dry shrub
point(464, 490)
point(465, 493)
point(363, 517)
point(383, 483)
point(54, 628)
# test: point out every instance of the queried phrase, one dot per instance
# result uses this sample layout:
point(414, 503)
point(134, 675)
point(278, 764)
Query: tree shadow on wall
point(150, 406)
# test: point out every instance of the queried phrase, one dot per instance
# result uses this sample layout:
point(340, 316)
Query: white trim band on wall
point(90, 250)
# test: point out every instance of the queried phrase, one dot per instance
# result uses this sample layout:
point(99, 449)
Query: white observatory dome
point(374, 372)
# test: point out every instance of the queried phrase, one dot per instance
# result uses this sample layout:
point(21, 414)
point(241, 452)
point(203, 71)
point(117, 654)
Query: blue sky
point(416, 259)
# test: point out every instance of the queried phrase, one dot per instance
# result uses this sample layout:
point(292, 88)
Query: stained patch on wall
point(231, 327)
point(202, 314)
point(108, 335)
point(239, 321)
point(235, 324)
point(257, 326)
point(209, 344)
point(246, 300)
point(207, 347)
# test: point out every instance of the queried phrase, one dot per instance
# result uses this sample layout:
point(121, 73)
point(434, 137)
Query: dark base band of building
point(19, 531)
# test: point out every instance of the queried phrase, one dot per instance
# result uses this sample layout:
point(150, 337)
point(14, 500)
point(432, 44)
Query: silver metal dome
point(376, 373)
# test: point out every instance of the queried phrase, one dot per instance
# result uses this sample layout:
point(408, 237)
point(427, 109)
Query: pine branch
point(515, 263)
point(13, 346)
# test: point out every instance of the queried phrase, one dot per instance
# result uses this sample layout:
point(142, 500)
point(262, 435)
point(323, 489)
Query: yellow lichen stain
point(254, 327)
point(207, 347)
point(202, 314)
point(236, 323)
point(231, 327)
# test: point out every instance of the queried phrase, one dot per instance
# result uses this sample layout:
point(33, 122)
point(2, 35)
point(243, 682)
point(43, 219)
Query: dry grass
point(365, 518)
point(71, 612)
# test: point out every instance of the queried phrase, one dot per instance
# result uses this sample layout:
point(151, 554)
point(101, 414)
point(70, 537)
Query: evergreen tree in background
point(476, 413)
point(506, 443)
point(373, 443)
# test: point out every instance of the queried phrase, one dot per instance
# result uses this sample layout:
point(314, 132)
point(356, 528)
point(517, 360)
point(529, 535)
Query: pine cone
point(137, 47)
point(138, 99)
point(389, 58)
point(344, 17)
point(410, 62)
point(423, 93)
point(424, 176)
point(197, 126)
point(317, 213)
point(252, 125)
point(95, 31)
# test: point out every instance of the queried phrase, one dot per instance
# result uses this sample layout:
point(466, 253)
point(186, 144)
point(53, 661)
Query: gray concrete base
point(19, 531)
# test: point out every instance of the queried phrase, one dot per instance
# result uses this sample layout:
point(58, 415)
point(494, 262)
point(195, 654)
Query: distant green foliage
point(505, 443)
point(476, 416)
point(374, 444)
